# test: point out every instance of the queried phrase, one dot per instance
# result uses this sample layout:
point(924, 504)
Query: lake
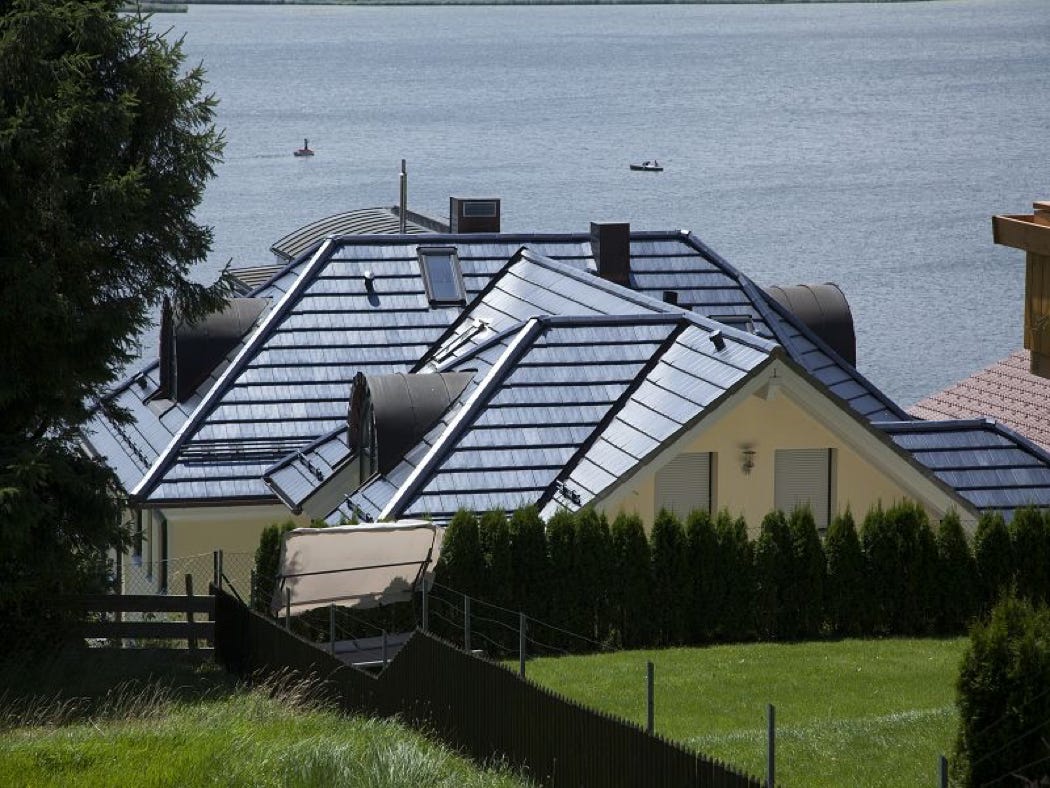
point(863, 144)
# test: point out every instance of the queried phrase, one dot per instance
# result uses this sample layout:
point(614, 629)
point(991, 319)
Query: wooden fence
point(197, 614)
point(476, 706)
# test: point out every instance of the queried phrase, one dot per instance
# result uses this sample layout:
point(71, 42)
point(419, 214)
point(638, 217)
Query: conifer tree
point(1030, 545)
point(592, 573)
point(702, 544)
point(531, 564)
point(736, 570)
point(461, 565)
point(808, 573)
point(773, 618)
point(847, 597)
point(958, 576)
point(632, 580)
point(565, 608)
point(993, 554)
point(670, 578)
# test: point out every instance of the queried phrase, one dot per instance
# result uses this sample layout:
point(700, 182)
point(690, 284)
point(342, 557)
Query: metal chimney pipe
point(404, 198)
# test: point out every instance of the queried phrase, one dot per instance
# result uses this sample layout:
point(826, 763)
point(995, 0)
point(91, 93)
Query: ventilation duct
point(473, 215)
point(611, 247)
point(825, 311)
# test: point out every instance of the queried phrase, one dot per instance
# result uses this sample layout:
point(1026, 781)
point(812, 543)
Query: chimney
point(473, 215)
point(1031, 232)
point(611, 247)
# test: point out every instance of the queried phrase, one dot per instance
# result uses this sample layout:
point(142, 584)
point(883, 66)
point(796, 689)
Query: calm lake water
point(862, 144)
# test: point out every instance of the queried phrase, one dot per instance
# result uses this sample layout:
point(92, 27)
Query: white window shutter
point(684, 484)
point(803, 476)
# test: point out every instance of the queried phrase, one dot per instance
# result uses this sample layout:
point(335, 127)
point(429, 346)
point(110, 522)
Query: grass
point(848, 713)
point(189, 725)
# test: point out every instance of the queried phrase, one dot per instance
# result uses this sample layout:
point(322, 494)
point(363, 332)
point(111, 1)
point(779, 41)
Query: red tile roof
point(1006, 391)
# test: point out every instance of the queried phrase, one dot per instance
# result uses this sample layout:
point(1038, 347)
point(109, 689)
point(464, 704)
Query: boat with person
point(648, 166)
point(305, 150)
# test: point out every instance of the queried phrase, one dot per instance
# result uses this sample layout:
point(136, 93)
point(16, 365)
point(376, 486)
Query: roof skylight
point(441, 274)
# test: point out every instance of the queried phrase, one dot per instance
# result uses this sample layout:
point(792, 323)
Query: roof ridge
point(191, 425)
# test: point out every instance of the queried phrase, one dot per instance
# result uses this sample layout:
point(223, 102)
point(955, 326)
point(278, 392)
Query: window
point(684, 484)
point(741, 322)
point(479, 208)
point(368, 452)
point(804, 476)
point(441, 274)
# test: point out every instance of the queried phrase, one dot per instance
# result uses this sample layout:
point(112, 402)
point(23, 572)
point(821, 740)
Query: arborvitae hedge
point(1004, 709)
point(772, 603)
point(531, 565)
point(267, 555)
point(499, 560)
point(591, 573)
point(808, 575)
point(461, 565)
point(901, 555)
point(956, 591)
point(848, 606)
point(1030, 539)
point(631, 581)
point(702, 545)
point(993, 554)
point(736, 577)
point(563, 604)
point(671, 580)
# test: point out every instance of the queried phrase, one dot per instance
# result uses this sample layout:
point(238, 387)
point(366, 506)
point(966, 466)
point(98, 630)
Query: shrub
point(958, 575)
point(561, 541)
point(847, 598)
point(1030, 543)
point(461, 565)
point(735, 577)
point(267, 557)
point(632, 581)
point(702, 546)
point(994, 558)
point(901, 553)
point(1002, 697)
point(670, 579)
point(494, 535)
point(808, 574)
point(591, 573)
point(531, 565)
point(773, 578)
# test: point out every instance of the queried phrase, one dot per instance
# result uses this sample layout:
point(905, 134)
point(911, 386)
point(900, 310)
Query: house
point(243, 420)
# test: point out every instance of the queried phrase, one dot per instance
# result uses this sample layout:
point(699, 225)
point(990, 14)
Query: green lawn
point(190, 726)
point(849, 713)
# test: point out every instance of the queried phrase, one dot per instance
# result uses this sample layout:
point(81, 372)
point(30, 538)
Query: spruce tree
point(993, 553)
point(670, 569)
point(632, 580)
point(1030, 545)
point(847, 597)
point(106, 143)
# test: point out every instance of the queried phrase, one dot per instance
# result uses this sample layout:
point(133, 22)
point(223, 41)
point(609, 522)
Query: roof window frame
point(452, 253)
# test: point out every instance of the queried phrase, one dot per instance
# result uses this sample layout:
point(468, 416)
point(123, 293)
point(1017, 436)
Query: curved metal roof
point(825, 311)
point(363, 221)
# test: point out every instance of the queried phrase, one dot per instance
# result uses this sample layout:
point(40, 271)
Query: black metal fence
point(477, 707)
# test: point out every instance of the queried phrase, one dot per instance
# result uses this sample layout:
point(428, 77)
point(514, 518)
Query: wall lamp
point(747, 461)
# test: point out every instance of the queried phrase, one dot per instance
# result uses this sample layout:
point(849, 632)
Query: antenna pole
point(404, 198)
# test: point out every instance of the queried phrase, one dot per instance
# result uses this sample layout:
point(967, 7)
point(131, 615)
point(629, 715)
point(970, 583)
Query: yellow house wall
point(764, 425)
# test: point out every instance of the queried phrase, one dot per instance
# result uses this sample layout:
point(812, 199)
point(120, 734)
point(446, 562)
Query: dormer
point(190, 352)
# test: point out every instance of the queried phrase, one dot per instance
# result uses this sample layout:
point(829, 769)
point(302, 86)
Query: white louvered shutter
point(684, 484)
point(803, 476)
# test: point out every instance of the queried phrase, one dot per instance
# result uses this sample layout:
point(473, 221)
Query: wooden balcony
point(1031, 232)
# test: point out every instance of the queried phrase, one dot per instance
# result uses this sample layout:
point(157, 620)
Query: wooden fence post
point(331, 628)
point(466, 623)
point(771, 747)
point(385, 658)
point(650, 697)
point(425, 611)
point(251, 590)
point(521, 645)
point(220, 570)
point(192, 639)
point(944, 772)
point(215, 569)
point(287, 608)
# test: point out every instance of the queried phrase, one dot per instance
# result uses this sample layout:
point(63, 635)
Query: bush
point(994, 558)
point(671, 579)
point(735, 578)
point(494, 535)
point(1002, 697)
point(847, 598)
point(773, 578)
point(565, 607)
point(631, 580)
point(531, 565)
point(591, 573)
point(1030, 543)
point(267, 557)
point(958, 576)
point(702, 546)
point(461, 565)
point(808, 574)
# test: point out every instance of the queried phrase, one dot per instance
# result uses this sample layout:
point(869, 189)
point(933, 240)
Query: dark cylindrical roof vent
point(611, 247)
point(825, 311)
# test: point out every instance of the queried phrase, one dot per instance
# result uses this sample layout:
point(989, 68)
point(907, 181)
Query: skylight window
point(441, 274)
point(741, 322)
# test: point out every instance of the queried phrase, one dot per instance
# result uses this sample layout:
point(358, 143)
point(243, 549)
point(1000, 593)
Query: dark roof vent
point(671, 297)
point(611, 247)
point(825, 311)
point(404, 407)
point(189, 352)
point(473, 215)
point(717, 340)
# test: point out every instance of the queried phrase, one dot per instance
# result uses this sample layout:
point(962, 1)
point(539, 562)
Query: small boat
point(305, 150)
point(648, 166)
